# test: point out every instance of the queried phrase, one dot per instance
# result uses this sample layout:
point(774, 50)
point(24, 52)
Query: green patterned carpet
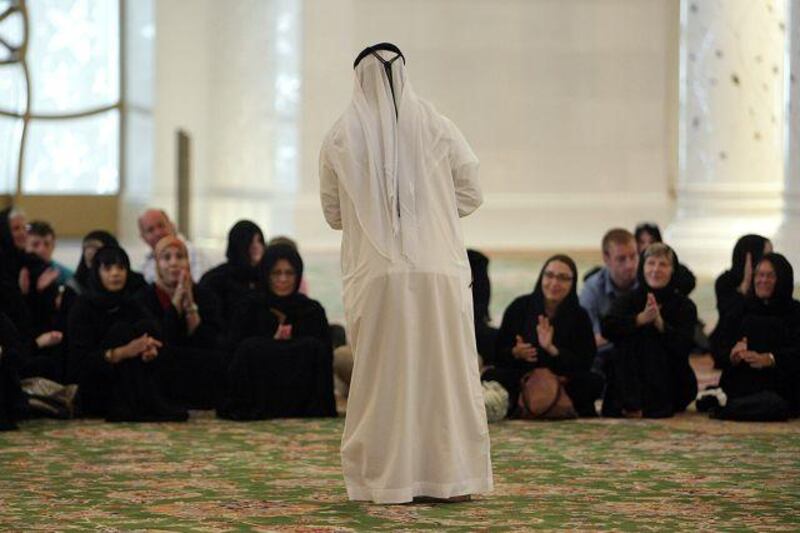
point(212, 475)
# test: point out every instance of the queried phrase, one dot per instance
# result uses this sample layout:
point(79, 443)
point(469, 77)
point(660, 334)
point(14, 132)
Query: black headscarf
point(748, 244)
point(238, 252)
point(294, 301)
point(782, 297)
point(6, 239)
point(647, 227)
point(82, 271)
point(667, 291)
point(481, 286)
point(12, 258)
point(566, 308)
point(97, 293)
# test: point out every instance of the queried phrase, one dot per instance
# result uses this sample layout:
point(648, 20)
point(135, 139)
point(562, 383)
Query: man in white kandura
point(396, 176)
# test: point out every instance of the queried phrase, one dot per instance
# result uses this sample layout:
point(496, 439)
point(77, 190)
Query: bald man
point(154, 225)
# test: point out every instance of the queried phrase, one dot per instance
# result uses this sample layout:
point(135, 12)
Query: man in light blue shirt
point(616, 278)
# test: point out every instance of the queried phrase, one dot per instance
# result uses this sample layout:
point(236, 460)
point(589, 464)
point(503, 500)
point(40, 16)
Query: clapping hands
point(651, 314)
point(46, 279)
point(284, 332)
point(545, 332)
point(183, 298)
point(740, 353)
point(747, 277)
point(524, 351)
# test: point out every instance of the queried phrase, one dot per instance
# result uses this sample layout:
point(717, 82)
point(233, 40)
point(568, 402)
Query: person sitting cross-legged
point(113, 350)
point(190, 327)
point(652, 329)
point(282, 357)
point(761, 334)
point(549, 329)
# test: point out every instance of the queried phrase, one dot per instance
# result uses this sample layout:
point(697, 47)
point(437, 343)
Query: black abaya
point(193, 371)
point(13, 402)
point(270, 378)
point(651, 371)
point(573, 336)
point(770, 326)
point(102, 320)
point(726, 289)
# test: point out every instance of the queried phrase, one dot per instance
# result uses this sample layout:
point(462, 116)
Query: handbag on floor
point(542, 397)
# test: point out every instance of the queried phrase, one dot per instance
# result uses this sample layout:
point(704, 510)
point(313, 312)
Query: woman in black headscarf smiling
point(652, 329)
point(733, 285)
point(114, 355)
point(282, 364)
point(549, 328)
point(761, 336)
point(648, 233)
point(243, 272)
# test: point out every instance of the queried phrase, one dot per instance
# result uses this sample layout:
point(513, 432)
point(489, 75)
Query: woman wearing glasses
point(282, 364)
point(549, 329)
point(760, 334)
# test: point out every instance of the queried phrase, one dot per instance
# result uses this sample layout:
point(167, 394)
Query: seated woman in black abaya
point(27, 286)
point(282, 362)
point(652, 329)
point(13, 402)
point(549, 328)
point(733, 286)
point(761, 334)
point(190, 328)
point(243, 273)
point(114, 355)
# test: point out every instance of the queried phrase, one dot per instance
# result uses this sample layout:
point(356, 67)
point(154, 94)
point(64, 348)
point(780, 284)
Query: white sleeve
point(468, 191)
point(464, 166)
point(329, 195)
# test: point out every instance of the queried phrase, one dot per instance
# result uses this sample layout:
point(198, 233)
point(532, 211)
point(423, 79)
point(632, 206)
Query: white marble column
point(731, 150)
point(787, 240)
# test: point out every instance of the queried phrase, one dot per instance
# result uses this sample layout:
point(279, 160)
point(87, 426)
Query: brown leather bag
point(542, 397)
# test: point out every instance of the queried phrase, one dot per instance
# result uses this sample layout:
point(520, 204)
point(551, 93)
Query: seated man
point(42, 242)
point(154, 225)
point(617, 278)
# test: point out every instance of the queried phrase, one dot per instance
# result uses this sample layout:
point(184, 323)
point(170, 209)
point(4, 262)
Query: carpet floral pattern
point(212, 475)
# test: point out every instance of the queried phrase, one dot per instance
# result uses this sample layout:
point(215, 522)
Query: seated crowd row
point(627, 337)
point(244, 339)
point(148, 346)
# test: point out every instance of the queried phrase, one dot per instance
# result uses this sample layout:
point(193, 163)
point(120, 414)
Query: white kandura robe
point(416, 423)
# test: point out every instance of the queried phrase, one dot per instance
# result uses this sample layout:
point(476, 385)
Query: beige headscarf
point(170, 241)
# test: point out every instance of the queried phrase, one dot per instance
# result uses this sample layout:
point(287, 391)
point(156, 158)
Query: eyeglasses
point(564, 278)
point(284, 273)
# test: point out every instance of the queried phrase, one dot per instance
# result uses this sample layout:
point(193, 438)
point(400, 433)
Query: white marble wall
point(732, 127)
point(571, 107)
point(788, 237)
